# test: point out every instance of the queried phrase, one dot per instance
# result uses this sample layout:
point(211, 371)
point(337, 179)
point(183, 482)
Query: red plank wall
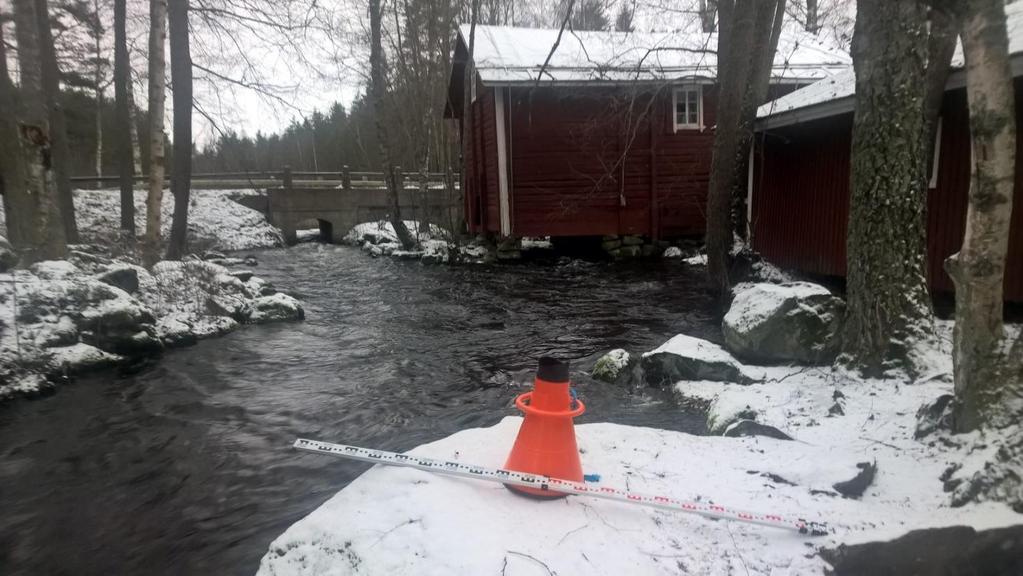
point(801, 198)
point(592, 161)
point(574, 156)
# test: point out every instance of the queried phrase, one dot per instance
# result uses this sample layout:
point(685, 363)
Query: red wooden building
point(612, 136)
point(799, 198)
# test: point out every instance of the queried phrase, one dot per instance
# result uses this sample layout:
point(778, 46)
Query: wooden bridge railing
point(345, 179)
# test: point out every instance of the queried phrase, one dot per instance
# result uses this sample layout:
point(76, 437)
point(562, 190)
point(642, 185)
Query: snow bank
point(214, 219)
point(404, 521)
point(433, 242)
point(58, 319)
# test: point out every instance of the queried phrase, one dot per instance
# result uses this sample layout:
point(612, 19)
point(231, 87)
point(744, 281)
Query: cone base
point(534, 493)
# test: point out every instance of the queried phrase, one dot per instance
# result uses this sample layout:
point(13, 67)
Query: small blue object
point(591, 477)
point(575, 398)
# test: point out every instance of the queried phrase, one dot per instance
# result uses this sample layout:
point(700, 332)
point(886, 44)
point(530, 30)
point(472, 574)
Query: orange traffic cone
point(546, 441)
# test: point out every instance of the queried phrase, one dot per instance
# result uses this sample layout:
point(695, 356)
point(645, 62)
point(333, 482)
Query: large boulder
point(796, 321)
point(611, 365)
point(121, 276)
point(79, 358)
point(687, 358)
point(120, 326)
point(276, 307)
point(949, 551)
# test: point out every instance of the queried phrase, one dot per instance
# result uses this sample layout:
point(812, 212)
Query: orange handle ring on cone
point(521, 404)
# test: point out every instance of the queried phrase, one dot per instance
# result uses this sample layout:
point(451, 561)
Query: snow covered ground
point(214, 220)
point(405, 521)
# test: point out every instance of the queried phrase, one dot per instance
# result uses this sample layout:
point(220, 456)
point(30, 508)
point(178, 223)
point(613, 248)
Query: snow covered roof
point(506, 55)
point(834, 95)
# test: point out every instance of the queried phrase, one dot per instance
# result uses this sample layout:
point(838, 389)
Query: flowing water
point(186, 465)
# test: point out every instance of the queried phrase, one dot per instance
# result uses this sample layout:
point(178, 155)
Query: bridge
point(332, 201)
point(336, 211)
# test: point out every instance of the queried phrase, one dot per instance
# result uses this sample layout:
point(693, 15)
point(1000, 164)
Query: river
point(185, 465)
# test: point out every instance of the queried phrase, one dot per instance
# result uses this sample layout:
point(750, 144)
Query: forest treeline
point(320, 142)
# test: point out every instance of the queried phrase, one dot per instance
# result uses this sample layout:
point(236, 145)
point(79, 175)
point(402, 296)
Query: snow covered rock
point(687, 358)
point(80, 357)
point(773, 323)
point(946, 550)
point(122, 276)
point(754, 428)
point(120, 326)
point(176, 330)
point(243, 275)
point(55, 269)
point(672, 252)
point(8, 257)
point(935, 416)
point(275, 308)
point(610, 366)
point(234, 307)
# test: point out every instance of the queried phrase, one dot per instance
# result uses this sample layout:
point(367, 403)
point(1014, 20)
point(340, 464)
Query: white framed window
point(688, 107)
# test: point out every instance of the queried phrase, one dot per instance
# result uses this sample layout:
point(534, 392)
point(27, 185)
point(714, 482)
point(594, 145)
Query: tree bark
point(98, 79)
point(31, 191)
point(886, 247)
point(133, 129)
point(983, 366)
point(726, 18)
point(734, 75)
point(60, 153)
point(707, 11)
point(378, 89)
point(941, 44)
point(769, 18)
point(122, 125)
point(12, 163)
point(157, 96)
point(181, 169)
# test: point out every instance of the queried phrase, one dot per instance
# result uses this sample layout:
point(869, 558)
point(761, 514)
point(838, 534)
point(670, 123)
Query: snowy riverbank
point(215, 221)
point(65, 317)
point(434, 243)
point(841, 427)
point(94, 310)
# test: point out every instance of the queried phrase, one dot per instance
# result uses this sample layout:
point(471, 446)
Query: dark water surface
point(186, 467)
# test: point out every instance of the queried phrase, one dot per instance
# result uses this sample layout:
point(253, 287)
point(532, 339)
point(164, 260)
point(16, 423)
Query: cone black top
point(552, 369)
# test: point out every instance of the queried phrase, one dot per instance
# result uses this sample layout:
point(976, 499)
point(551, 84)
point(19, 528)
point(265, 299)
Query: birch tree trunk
point(98, 79)
point(12, 162)
point(32, 189)
point(157, 97)
point(734, 74)
point(122, 130)
point(984, 369)
point(133, 129)
point(181, 169)
point(377, 89)
point(58, 126)
point(886, 247)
